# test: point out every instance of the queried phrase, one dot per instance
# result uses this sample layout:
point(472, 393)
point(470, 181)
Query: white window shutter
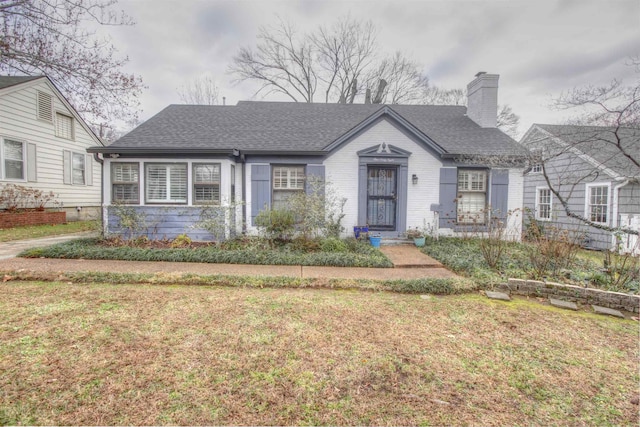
point(88, 168)
point(66, 169)
point(32, 165)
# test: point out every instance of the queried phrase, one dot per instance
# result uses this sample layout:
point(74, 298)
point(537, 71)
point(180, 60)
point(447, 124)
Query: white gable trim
point(575, 151)
point(60, 96)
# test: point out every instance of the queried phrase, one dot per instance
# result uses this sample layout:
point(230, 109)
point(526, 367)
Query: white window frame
point(536, 168)
point(588, 205)
point(3, 167)
point(472, 186)
point(292, 182)
point(167, 199)
point(40, 94)
point(538, 216)
point(72, 131)
point(206, 184)
point(115, 183)
point(73, 168)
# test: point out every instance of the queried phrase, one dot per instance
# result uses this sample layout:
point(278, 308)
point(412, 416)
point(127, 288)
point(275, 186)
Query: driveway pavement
point(12, 249)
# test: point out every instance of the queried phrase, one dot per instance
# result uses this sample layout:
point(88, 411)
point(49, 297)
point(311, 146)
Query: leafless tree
point(405, 81)
point(52, 37)
point(199, 91)
point(344, 51)
point(433, 95)
point(507, 120)
point(606, 125)
point(282, 62)
point(340, 61)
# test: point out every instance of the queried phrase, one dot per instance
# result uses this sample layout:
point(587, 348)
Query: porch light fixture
point(414, 179)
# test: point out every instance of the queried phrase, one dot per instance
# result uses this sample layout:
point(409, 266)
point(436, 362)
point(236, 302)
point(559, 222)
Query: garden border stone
point(577, 294)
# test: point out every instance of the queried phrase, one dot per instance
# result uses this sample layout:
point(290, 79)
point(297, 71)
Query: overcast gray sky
point(539, 47)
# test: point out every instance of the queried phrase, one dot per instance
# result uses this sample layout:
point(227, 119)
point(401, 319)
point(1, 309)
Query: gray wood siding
point(18, 121)
point(161, 222)
point(629, 199)
point(563, 171)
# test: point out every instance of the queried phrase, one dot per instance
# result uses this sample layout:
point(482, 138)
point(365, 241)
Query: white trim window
point(597, 203)
point(165, 183)
point(13, 160)
point(472, 196)
point(125, 182)
point(78, 169)
point(206, 183)
point(287, 180)
point(536, 168)
point(64, 126)
point(544, 204)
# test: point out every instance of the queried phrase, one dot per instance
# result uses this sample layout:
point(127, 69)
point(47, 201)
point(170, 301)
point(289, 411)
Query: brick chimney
point(482, 99)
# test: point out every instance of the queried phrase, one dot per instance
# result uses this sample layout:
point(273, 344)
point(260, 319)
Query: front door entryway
point(382, 190)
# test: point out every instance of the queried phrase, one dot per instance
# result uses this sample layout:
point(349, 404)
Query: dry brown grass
point(122, 354)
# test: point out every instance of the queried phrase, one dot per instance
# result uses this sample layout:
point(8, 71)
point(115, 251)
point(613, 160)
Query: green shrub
point(276, 224)
point(333, 244)
point(93, 249)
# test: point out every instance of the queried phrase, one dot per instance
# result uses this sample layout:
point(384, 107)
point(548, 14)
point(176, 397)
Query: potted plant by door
point(418, 235)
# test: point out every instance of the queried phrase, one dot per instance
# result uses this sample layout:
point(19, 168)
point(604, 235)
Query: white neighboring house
point(43, 145)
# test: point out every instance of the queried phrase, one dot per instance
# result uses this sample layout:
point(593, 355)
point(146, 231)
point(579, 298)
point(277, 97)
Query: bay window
point(206, 183)
point(125, 181)
point(166, 183)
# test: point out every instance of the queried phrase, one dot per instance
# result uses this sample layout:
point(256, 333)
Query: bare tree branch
point(50, 37)
point(199, 91)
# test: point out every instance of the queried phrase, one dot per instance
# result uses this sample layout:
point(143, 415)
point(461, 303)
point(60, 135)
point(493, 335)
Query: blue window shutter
point(448, 195)
point(260, 189)
point(314, 171)
point(32, 164)
point(499, 192)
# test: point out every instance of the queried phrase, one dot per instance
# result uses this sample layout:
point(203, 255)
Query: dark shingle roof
point(6, 81)
point(301, 127)
point(600, 143)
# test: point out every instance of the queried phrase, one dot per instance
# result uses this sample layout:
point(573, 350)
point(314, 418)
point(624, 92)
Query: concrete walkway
point(421, 265)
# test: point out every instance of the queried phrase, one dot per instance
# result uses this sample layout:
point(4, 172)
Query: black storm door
point(381, 197)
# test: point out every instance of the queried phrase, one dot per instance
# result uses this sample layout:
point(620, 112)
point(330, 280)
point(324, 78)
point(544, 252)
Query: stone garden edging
point(585, 296)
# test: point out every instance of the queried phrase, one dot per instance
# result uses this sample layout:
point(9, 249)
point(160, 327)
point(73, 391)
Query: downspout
point(244, 193)
point(96, 157)
point(615, 209)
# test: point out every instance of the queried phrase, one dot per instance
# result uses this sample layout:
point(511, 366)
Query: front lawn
point(143, 354)
point(35, 231)
point(326, 252)
point(464, 256)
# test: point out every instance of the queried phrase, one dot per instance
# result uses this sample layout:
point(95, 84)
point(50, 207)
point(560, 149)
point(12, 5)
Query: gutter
point(158, 150)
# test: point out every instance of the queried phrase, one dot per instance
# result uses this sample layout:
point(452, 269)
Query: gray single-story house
point(397, 166)
point(597, 178)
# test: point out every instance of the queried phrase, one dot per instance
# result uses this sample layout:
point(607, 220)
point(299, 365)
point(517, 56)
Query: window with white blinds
point(78, 169)
point(13, 159)
point(125, 180)
point(64, 126)
point(472, 196)
point(287, 180)
point(166, 183)
point(206, 183)
point(44, 106)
